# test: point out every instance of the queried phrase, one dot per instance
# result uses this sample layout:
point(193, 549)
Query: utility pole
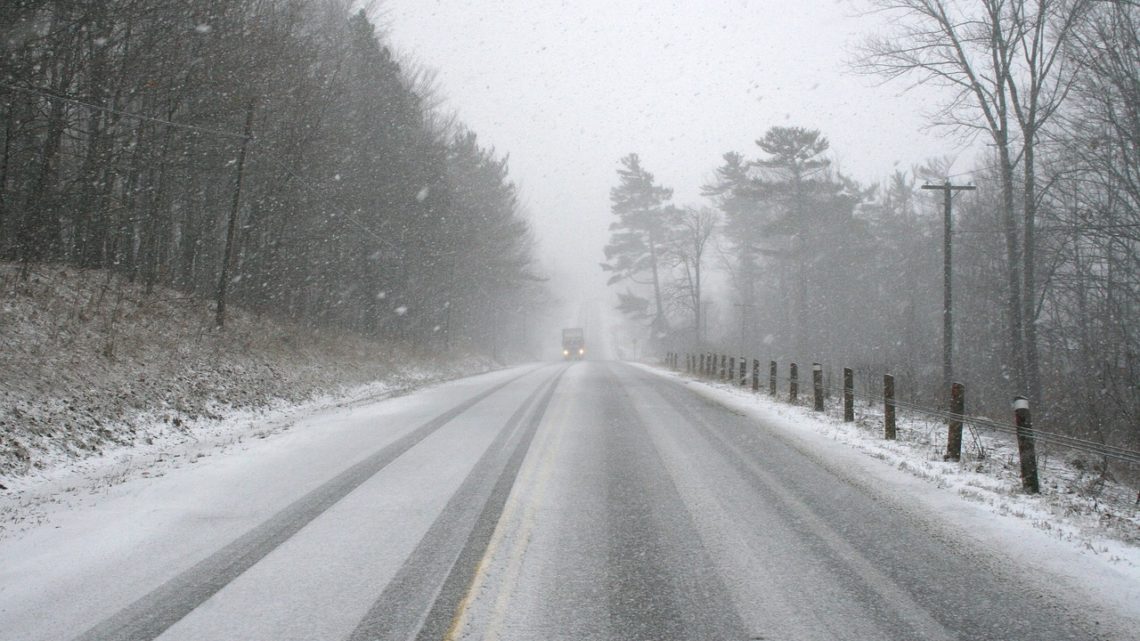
point(227, 255)
point(744, 307)
point(947, 310)
point(704, 326)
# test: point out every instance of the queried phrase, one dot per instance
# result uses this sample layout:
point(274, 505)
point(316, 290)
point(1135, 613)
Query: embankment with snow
point(92, 366)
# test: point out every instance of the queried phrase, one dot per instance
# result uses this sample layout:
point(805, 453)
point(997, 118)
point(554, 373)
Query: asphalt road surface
point(583, 501)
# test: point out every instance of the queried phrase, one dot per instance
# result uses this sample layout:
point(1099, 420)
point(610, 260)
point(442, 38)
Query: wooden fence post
point(848, 395)
point(755, 375)
point(817, 385)
point(772, 378)
point(1025, 445)
point(794, 384)
point(954, 428)
point(723, 364)
point(731, 368)
point(743, 371)
point(889, 428)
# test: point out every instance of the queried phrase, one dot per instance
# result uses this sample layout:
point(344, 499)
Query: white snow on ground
point(62, 481)
point(107, 543)
point(102, 381)
point(90, 361)
point(1081, 531)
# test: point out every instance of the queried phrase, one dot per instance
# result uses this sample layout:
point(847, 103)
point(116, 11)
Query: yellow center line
point(507, 522)
point(526, 529)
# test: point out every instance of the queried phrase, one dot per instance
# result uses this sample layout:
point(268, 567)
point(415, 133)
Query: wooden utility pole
point(744, 307)
point(947, 313)
point(231, 229)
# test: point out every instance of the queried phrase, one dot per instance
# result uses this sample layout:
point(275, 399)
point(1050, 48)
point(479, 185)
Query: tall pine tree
point(637, 239)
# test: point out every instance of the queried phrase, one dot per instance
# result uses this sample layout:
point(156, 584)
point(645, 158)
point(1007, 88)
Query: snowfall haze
point(582, 320)
point(568, 88)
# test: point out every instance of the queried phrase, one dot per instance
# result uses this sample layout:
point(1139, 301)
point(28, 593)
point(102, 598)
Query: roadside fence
point(742, 372)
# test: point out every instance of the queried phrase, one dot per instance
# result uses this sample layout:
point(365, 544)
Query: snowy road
point(563, 501)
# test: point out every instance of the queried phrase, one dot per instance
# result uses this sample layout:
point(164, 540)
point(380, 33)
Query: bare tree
point(687, 250)
point(1092, 219)
point(1003, 61)
point(362, 206)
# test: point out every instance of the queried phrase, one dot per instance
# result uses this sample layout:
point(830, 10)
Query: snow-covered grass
point(1078, 503)
point(96, 376)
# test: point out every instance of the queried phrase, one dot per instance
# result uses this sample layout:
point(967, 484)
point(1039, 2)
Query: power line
point(205, 130)
point(118, 112)
point(336, 210)
point(1057, 228)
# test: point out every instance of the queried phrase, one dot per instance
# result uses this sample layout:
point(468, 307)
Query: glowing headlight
point(565, 352)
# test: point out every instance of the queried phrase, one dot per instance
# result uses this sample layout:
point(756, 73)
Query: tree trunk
point(659, 324)
point(5, 222)
point(697, 292)
point(1013, 267)
point(1029, 294)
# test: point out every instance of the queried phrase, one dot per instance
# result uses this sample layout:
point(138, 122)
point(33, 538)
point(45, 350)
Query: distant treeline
point(1045, 250)
point(361, 205)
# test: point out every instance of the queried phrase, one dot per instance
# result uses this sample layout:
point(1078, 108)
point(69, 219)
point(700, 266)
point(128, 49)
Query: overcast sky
point(569, 87)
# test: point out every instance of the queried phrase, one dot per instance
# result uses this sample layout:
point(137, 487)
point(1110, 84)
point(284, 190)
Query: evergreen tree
point(638, 237)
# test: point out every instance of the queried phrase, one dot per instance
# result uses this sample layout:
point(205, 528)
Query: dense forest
point(819, 268)
point(274, 154)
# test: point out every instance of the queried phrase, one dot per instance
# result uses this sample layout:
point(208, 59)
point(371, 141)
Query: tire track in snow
point(151, 615)
point(443, 564)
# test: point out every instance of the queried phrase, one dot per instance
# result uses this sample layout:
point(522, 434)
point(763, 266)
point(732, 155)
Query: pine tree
point(638, 237)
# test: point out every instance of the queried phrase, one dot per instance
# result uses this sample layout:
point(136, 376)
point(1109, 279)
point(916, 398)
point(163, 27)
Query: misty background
point(451, 176)
point(568, 88)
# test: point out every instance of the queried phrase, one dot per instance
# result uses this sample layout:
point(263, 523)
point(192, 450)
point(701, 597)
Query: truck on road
point(573, 343)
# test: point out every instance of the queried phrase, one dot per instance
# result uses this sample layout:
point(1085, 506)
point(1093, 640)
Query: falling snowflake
point(203, 28)
point(423, 194)
point(381, 295)
point(401, 310)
